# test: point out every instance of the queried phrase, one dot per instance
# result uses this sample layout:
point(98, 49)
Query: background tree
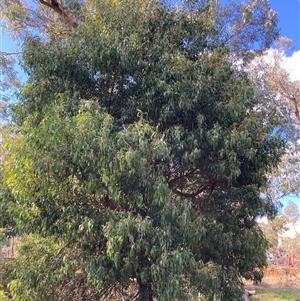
point(291, 212)
point(8, 83)
point(139, 146)
point(277, 227)
point(273, 232)
point(21, 19)
point(292, 215)
point(273, 79)
point(292, 246)
point(39, 17)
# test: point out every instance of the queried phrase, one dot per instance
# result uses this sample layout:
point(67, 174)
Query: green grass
point(2, 295)
point(276, 294)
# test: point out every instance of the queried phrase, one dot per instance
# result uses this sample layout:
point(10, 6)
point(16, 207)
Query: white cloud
point(292, 65)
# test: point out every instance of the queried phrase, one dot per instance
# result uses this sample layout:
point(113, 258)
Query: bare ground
point(277, 279)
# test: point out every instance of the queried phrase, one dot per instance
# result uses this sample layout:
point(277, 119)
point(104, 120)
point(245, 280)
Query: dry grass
point(279, 284)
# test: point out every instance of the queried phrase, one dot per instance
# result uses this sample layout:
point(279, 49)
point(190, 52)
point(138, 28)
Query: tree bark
point(247, 294)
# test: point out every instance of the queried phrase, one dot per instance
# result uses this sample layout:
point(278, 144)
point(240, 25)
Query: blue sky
point(289, 24)
point(289, 19)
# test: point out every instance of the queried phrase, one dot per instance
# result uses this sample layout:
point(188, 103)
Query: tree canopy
point(139, 147)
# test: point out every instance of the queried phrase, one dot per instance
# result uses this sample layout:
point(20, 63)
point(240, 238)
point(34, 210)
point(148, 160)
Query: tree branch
point(9, 53)
point(192, 194)
point(54, 5)
point(296, 110)
point(293, 101)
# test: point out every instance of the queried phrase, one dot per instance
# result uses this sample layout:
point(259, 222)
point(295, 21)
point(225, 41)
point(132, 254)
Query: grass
point(277, 294)
point(268, 294)
point(2, 295)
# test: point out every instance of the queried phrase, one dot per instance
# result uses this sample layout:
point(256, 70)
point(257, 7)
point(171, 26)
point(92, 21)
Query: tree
point(293, 246)
point(272, 79)
point(291, 242)
point(27, 18)
point(291, 212)
point(280, 80)
point(273, 232)
point(8, 82)
point(276, 228)
point(139, 145)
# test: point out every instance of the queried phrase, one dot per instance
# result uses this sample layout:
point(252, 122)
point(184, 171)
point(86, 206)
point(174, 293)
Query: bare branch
point(292, 100)
point(9, 53)
point(54, 5)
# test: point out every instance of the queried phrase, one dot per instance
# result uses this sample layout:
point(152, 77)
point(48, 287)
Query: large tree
point(141, 148)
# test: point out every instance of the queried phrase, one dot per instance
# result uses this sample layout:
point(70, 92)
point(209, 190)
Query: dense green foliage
point(140, 148)
point(58, 272)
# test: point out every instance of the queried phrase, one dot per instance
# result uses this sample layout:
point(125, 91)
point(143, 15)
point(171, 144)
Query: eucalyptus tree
point(291, 212)
point(279, 95)
point(26, 18)
point(291, 242)
point(276, 229)
point(140, 147)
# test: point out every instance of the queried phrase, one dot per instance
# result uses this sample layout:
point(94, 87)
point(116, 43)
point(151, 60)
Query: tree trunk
point(247, 294)
point(146, 293)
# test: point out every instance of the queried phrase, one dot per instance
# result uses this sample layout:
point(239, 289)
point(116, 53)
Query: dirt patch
point(283, 276)
point(278, 277)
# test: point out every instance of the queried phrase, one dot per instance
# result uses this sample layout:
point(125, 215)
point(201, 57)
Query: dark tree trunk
point(146, 293)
